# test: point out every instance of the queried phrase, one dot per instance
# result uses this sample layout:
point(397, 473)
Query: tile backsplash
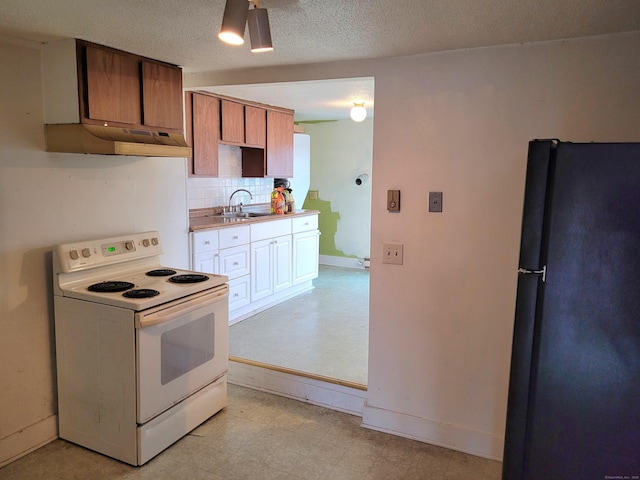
point(215, 192)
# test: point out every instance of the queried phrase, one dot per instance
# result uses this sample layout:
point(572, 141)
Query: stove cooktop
point(124, 272)
point(139, 290)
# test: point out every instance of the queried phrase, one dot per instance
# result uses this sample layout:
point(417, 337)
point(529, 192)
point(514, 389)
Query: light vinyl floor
point(323, 332)
point(266, 437)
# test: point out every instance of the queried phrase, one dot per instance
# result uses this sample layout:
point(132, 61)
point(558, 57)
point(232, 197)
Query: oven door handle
point(182, 308)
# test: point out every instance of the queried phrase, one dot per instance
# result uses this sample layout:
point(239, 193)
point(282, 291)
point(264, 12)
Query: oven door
point(182, 346)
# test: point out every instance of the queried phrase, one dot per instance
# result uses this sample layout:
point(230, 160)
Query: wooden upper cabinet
point(206, 134)
point(264, 134)
point(121, 89)
point(279, 144)
point(113, 87)
point(162, 96)
point(255, 119)
point(232, 115)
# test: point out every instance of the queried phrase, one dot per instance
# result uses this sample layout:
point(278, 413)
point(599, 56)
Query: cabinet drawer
point(270, 229)
point(303, 224)
point(233, 236)
point(239, 292)
point(234, 262)
point(206, 241)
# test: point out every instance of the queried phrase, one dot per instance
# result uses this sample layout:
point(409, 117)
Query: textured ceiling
point(305, 31)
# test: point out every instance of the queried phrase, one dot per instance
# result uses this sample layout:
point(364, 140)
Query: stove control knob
point(129, 245)
point(154, 241)
point(145, 242)
point(74, 254)
point(86, 253)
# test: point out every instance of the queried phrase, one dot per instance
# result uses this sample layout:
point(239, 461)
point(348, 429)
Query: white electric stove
point(141, 349)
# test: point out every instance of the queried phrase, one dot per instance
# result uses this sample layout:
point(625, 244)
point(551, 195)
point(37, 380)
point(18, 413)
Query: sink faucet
point(239, 190)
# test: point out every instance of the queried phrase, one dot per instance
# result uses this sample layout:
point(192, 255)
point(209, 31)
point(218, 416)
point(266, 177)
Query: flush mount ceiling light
point(237, 15)
point(234, 21)
point(358, 112)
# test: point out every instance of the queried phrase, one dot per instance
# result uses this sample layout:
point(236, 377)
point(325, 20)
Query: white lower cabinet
point(267, 262)
point(306, 248)
point(270, 266)
point(305, 256)
point(239, 293)
point(204, 251)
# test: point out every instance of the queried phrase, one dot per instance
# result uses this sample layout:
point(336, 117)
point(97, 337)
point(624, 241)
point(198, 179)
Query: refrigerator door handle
point(542, 272)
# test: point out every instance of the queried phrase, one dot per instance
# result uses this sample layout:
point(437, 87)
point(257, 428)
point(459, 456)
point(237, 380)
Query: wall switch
point(392, 253)
point(435, 201)
point(393, 200)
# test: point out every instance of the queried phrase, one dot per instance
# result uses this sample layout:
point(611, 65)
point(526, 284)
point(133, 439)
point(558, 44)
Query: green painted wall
point(340, 151)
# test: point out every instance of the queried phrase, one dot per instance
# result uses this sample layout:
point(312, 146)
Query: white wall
point(54, 198)
point(459, 122)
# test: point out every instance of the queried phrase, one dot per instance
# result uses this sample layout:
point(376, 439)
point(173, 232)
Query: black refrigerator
point(574, 390)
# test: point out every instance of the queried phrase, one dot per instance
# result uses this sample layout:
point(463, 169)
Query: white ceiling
point(310, 31)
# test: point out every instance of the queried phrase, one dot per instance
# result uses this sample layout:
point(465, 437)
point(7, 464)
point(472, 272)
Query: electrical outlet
point(392, 253)
point(313, 194)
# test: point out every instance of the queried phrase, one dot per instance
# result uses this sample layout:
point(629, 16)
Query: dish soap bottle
point(290, 203)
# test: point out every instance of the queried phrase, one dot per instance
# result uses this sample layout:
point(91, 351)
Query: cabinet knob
point(207, 242)
point(235, 237)
point(235, 263)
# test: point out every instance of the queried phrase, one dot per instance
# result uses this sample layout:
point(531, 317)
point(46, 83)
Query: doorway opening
point(323, 333)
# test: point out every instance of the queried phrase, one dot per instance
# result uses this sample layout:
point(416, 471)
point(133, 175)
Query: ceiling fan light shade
point(259, 30)
point(358, 112)
point(234, 21)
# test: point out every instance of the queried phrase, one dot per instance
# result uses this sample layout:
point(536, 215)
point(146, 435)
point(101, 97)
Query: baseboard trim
point(480, 444)
point(28, 439)
point(348, 262)
point(343, 396)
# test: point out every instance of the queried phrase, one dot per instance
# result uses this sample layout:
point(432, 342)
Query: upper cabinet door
point(255, 126)
point(121, 89)
point(279, 144)
point(162, 96)
point(206, 135)
point(113, 87)
point(232, 114)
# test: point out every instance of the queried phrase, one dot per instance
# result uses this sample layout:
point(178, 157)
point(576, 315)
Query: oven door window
point(185, 348)
point(181, 347)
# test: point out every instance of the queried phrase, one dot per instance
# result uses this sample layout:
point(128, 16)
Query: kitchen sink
point(243, 215)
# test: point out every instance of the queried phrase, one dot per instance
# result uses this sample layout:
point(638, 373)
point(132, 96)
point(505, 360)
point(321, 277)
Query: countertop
point(204, 219)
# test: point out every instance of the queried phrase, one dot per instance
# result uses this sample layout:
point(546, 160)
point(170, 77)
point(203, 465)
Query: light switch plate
point(392, 253)
point(393, 200)
point(435, 201)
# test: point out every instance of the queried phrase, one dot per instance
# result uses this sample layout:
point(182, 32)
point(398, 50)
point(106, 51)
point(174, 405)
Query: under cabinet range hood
point(99, 100)
point(105, 140)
